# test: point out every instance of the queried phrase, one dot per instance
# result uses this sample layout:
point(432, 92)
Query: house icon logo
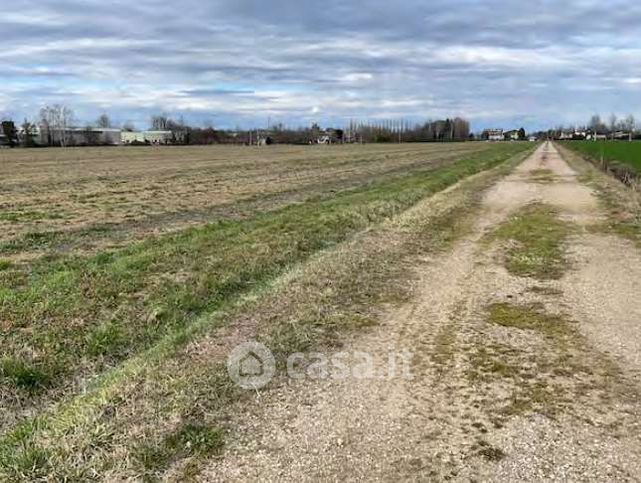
point(251, 365)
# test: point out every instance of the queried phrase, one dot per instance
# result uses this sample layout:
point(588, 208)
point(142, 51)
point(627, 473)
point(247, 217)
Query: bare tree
point(613, 124)
point(28, 130)
point(596, 124)
point(47, 125)
point(159, 122)
point(179, 130)
point(65, 117)
point(56, 121)
point(103, 121)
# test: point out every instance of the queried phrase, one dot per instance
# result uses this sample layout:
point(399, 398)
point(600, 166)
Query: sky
point(229, 63)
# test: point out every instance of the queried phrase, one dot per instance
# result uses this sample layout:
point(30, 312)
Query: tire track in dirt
point(486, 402)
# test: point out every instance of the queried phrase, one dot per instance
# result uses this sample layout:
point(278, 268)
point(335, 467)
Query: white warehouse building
point(147, 137)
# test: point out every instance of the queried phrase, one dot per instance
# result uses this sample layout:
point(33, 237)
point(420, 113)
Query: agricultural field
point(117, 266)
point(501, 276)
point(83, 200)
point(625, 153)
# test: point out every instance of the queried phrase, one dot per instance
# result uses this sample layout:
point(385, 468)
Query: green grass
point(35, 240)
point(190, 439)
point(44, 241)
point(613, 151)
point(23, 375)
point(25, 216)
point(107, 339)
point(528, 317)
point(534, 247)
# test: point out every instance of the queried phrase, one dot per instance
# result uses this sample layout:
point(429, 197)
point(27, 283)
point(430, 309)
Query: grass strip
point(534, 243)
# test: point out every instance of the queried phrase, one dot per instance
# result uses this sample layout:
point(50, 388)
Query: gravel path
point(486, 402)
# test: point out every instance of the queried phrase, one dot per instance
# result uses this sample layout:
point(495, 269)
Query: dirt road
point(514, 376)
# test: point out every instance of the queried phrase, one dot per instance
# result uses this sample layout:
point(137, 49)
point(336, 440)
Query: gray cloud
point(242, 61)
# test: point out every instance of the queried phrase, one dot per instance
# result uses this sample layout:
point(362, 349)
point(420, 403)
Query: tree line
point(56, 126)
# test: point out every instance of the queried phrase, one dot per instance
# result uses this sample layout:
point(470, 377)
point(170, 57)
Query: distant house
point(593, 136)
point(565, 135)
point(512, 135)
point(623, 135)
point(576, 134)
point(330, 136)
point(492, 135)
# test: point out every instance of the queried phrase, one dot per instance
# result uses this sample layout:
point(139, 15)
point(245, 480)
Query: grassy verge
point(621, 159)
point(132, 423)
point(534, 238)
point(623, 203)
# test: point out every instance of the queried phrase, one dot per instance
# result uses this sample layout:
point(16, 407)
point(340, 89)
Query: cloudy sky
point(243, 62)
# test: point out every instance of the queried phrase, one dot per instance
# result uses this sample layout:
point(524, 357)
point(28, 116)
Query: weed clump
point(535, 239)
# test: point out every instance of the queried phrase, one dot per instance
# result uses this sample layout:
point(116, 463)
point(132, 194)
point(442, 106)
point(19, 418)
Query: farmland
point(481, 262)
point(625, 153)
point(85, 200)
point(112, 260)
